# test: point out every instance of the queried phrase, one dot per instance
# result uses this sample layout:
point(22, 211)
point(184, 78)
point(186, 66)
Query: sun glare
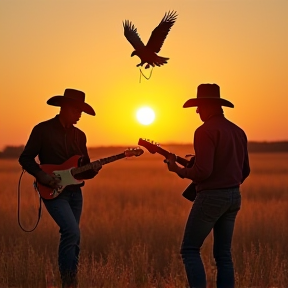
point(145, 115)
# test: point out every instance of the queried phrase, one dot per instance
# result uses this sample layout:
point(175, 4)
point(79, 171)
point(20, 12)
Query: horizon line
point(161, 144)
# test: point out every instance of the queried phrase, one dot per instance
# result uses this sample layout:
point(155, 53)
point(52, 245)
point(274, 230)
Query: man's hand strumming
point(48, 179)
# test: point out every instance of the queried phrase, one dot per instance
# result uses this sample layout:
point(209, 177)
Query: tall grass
point(132, 226)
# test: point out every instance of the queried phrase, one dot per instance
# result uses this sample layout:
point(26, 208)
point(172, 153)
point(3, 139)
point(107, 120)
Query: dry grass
point(132, 226)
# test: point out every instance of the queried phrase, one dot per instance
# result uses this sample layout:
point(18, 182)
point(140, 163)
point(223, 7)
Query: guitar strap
point(77, 144)
point(77, 141)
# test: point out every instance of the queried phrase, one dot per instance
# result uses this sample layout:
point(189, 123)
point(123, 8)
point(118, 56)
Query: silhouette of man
point(54, 141)
point(221, 164)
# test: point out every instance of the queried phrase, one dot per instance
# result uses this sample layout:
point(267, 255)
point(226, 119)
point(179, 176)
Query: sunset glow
point(145, 115)
point(209, 43)
point(142, 156)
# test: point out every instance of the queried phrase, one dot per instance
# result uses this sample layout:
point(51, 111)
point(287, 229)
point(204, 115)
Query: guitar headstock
point(133, 152)
point(150, 145)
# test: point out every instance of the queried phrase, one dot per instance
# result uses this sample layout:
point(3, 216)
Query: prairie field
point(132, 226)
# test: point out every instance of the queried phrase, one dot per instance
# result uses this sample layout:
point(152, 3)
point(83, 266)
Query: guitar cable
point(18, 208)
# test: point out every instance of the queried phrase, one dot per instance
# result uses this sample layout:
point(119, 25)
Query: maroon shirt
point(221, 156)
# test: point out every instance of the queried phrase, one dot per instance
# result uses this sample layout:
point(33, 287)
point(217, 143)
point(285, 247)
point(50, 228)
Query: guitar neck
point(179, 159)
point(95, 164)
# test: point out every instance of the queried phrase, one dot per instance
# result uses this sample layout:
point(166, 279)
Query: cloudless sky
point(50, 45)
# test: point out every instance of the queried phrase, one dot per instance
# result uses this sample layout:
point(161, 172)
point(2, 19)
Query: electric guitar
point(153, 147)
point(66, 171)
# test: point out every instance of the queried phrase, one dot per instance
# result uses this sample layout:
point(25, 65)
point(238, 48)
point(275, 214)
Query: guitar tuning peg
point(148, 140)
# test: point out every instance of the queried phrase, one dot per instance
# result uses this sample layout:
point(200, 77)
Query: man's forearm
point(181, 172)
point(29, 165)
point(31, 150)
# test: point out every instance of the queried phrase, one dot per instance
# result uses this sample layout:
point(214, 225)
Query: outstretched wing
point(130, 32)
point(159, 34)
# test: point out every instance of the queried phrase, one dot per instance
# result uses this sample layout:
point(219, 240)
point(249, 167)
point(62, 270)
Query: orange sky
point(50, 45)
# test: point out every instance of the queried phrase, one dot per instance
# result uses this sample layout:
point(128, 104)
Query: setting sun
point(145, 115)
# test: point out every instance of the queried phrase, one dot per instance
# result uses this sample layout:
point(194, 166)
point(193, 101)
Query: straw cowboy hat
point(74, 97)
point(207, 93)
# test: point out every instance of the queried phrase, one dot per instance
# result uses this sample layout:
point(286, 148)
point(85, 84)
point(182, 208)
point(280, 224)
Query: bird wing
point(130, 32)
point(159, 34)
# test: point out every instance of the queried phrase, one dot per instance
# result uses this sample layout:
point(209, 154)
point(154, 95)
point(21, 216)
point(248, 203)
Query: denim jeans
point(217, 210)
point(66, 211)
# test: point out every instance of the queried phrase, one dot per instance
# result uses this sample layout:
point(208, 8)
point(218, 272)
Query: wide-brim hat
point(207, 93)
point(74, 97)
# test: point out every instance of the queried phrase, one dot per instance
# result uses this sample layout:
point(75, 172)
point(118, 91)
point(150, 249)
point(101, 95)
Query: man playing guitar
point(54, 142)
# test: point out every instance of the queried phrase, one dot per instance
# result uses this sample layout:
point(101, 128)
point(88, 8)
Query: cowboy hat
point(207, 93)
point(74, 97)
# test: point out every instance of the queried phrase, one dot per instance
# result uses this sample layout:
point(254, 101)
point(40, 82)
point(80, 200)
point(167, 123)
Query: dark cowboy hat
point(207, 93)
point(74, 97)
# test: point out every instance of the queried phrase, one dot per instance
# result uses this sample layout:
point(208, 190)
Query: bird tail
point(156, 60)
point(160, 60)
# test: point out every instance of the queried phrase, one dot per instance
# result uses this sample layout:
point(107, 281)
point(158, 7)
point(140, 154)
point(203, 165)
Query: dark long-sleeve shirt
point(54, 144)
point(221, 156)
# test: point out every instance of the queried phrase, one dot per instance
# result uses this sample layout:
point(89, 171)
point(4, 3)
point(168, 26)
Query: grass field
point(132, 225)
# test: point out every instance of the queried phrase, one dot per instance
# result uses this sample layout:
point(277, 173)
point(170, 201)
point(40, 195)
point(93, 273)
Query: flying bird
point(147, 54)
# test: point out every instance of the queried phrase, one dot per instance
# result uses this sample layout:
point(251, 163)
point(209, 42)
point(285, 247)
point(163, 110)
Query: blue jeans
point(217, 210)
point(66, 211)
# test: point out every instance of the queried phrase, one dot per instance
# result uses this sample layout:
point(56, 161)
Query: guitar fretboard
point(95, 164)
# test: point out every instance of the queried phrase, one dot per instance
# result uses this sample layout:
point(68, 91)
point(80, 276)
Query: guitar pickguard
point(66, 178)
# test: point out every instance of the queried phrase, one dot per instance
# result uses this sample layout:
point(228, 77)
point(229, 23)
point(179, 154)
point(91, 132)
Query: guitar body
point(190, 192)
point(62, 171)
